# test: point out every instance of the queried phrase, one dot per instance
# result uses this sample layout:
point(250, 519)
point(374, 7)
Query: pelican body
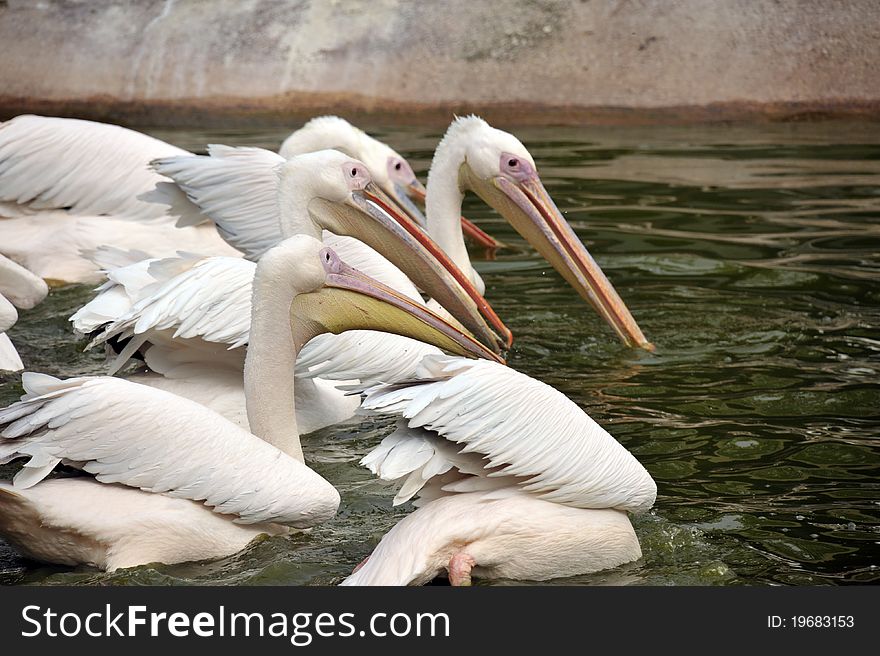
point(511, 480)
point(499, 535)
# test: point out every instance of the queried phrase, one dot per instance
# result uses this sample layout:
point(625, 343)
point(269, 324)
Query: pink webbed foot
point(460, 566)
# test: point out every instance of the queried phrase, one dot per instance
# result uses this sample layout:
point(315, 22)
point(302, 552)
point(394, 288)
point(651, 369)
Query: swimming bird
point(512, 479)
point(493, 164)
point(19, 288)
point(389, 169)
point(172, 480)
point(188, 315)
point(68, 186)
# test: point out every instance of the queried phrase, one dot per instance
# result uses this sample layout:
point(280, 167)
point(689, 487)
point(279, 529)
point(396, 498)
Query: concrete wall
point(586, 60)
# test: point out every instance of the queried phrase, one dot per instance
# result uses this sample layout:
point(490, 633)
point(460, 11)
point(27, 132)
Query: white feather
point(9, 358)
point(81, 167)
point(237, 188)
point(521, 428)
point(146, 438)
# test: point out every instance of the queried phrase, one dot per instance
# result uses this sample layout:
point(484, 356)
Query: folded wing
point(519, 427)
point(84, 168)
point(134, 435)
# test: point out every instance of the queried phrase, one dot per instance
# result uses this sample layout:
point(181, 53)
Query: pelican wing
point(424, 463)
point(134, 435)
point(210, 299)
point(237, 188)
point(132, 278)
point(191, 297)
point(126, 284)
point(521, 427)
point(83, 167)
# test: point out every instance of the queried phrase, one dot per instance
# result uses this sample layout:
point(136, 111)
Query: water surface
point(750, 257)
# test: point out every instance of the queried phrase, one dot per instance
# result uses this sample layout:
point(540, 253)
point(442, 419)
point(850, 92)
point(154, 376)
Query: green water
point(749, 256)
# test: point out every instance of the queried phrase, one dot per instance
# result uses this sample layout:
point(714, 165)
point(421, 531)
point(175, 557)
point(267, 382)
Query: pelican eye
point(397, 166)
point(512, 163)
point(330, 261)
point(354, 173)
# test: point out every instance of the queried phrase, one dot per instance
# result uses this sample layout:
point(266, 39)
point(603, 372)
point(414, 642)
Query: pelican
point(389, 169)
point(513, 480)
point(235, 187)
point(172, 480)
point(188, 315)
point(19, 288)
point(474, 156)
point(69, 186)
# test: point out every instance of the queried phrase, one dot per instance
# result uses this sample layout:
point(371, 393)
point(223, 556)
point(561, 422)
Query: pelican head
point(331, 296)
point(329, 190)
point(497, 167)
point(388, 168)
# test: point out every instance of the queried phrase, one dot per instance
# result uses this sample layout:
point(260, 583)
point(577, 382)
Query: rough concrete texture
point(588, 60)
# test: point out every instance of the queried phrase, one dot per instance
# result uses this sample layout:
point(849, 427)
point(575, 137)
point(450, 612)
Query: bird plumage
point(69, 186)
point(509, 477)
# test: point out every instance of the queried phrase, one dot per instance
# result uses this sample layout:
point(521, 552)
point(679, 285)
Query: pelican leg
point(460, 566)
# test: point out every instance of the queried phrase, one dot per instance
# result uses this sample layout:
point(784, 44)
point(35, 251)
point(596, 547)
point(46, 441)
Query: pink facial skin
point(517, 168)
point(400, 171)
point(357, 175)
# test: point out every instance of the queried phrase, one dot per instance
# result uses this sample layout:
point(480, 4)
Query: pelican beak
point(417, 189)
point(351, 300)
point(371, 216)
point(528, 207)
point(469, 228)
point(403, 195)
point(477, 236)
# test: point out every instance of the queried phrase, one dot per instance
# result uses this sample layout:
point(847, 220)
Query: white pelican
point(474, 156)
point(235, 187)
point(69, 186)
point(174, 481)
point(389, 169)
point(514, 480)
point(19, 288)
point(187, 315)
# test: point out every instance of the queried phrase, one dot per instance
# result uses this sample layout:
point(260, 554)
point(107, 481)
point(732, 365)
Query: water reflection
point(749, 256)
